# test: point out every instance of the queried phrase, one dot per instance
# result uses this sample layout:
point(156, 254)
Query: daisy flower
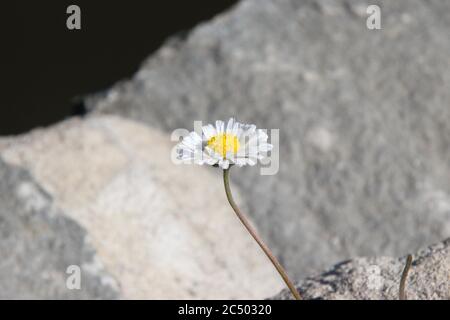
point(224, 145)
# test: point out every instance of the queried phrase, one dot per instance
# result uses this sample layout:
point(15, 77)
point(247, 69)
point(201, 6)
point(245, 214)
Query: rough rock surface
point(379, 278)
point(363, 118)
point(156, 230)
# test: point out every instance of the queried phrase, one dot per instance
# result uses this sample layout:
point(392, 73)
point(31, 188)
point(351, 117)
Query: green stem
point(252, 231)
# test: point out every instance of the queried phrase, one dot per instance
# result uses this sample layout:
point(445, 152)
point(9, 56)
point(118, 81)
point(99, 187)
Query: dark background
point(46, 69)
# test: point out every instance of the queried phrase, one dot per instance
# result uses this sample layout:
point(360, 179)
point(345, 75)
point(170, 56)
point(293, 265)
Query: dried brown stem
point(252, 231)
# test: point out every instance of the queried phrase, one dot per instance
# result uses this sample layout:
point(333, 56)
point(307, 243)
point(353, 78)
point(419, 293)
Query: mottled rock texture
point(38, 244)
point(156, 230)
point(363, 117)
point(379, 278)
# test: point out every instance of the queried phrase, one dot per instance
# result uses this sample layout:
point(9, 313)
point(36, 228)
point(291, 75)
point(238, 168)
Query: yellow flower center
point(224, 143)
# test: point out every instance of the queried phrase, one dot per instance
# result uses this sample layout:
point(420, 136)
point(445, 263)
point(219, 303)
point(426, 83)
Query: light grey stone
point(38, 244)
point(160, 230)
point(379, 278)
point(363, 118)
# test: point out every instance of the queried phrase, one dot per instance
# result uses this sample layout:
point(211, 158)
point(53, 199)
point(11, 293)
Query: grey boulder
point(103, 194)
point(363, 116)
point(39, 246)
point(379, 278)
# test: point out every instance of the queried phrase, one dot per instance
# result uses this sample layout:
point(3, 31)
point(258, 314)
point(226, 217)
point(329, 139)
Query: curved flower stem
point(252, 231)
point(401, 291)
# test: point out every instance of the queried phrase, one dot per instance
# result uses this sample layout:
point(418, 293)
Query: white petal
point(249, 129)
point(220, 126)
point(192, 140)
point(262, 135)
point(211, 161)
point(251, 161)
point(212, 154)
point(230, 125)
point(264, 147)
point(240, 162)
point(209, 131)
